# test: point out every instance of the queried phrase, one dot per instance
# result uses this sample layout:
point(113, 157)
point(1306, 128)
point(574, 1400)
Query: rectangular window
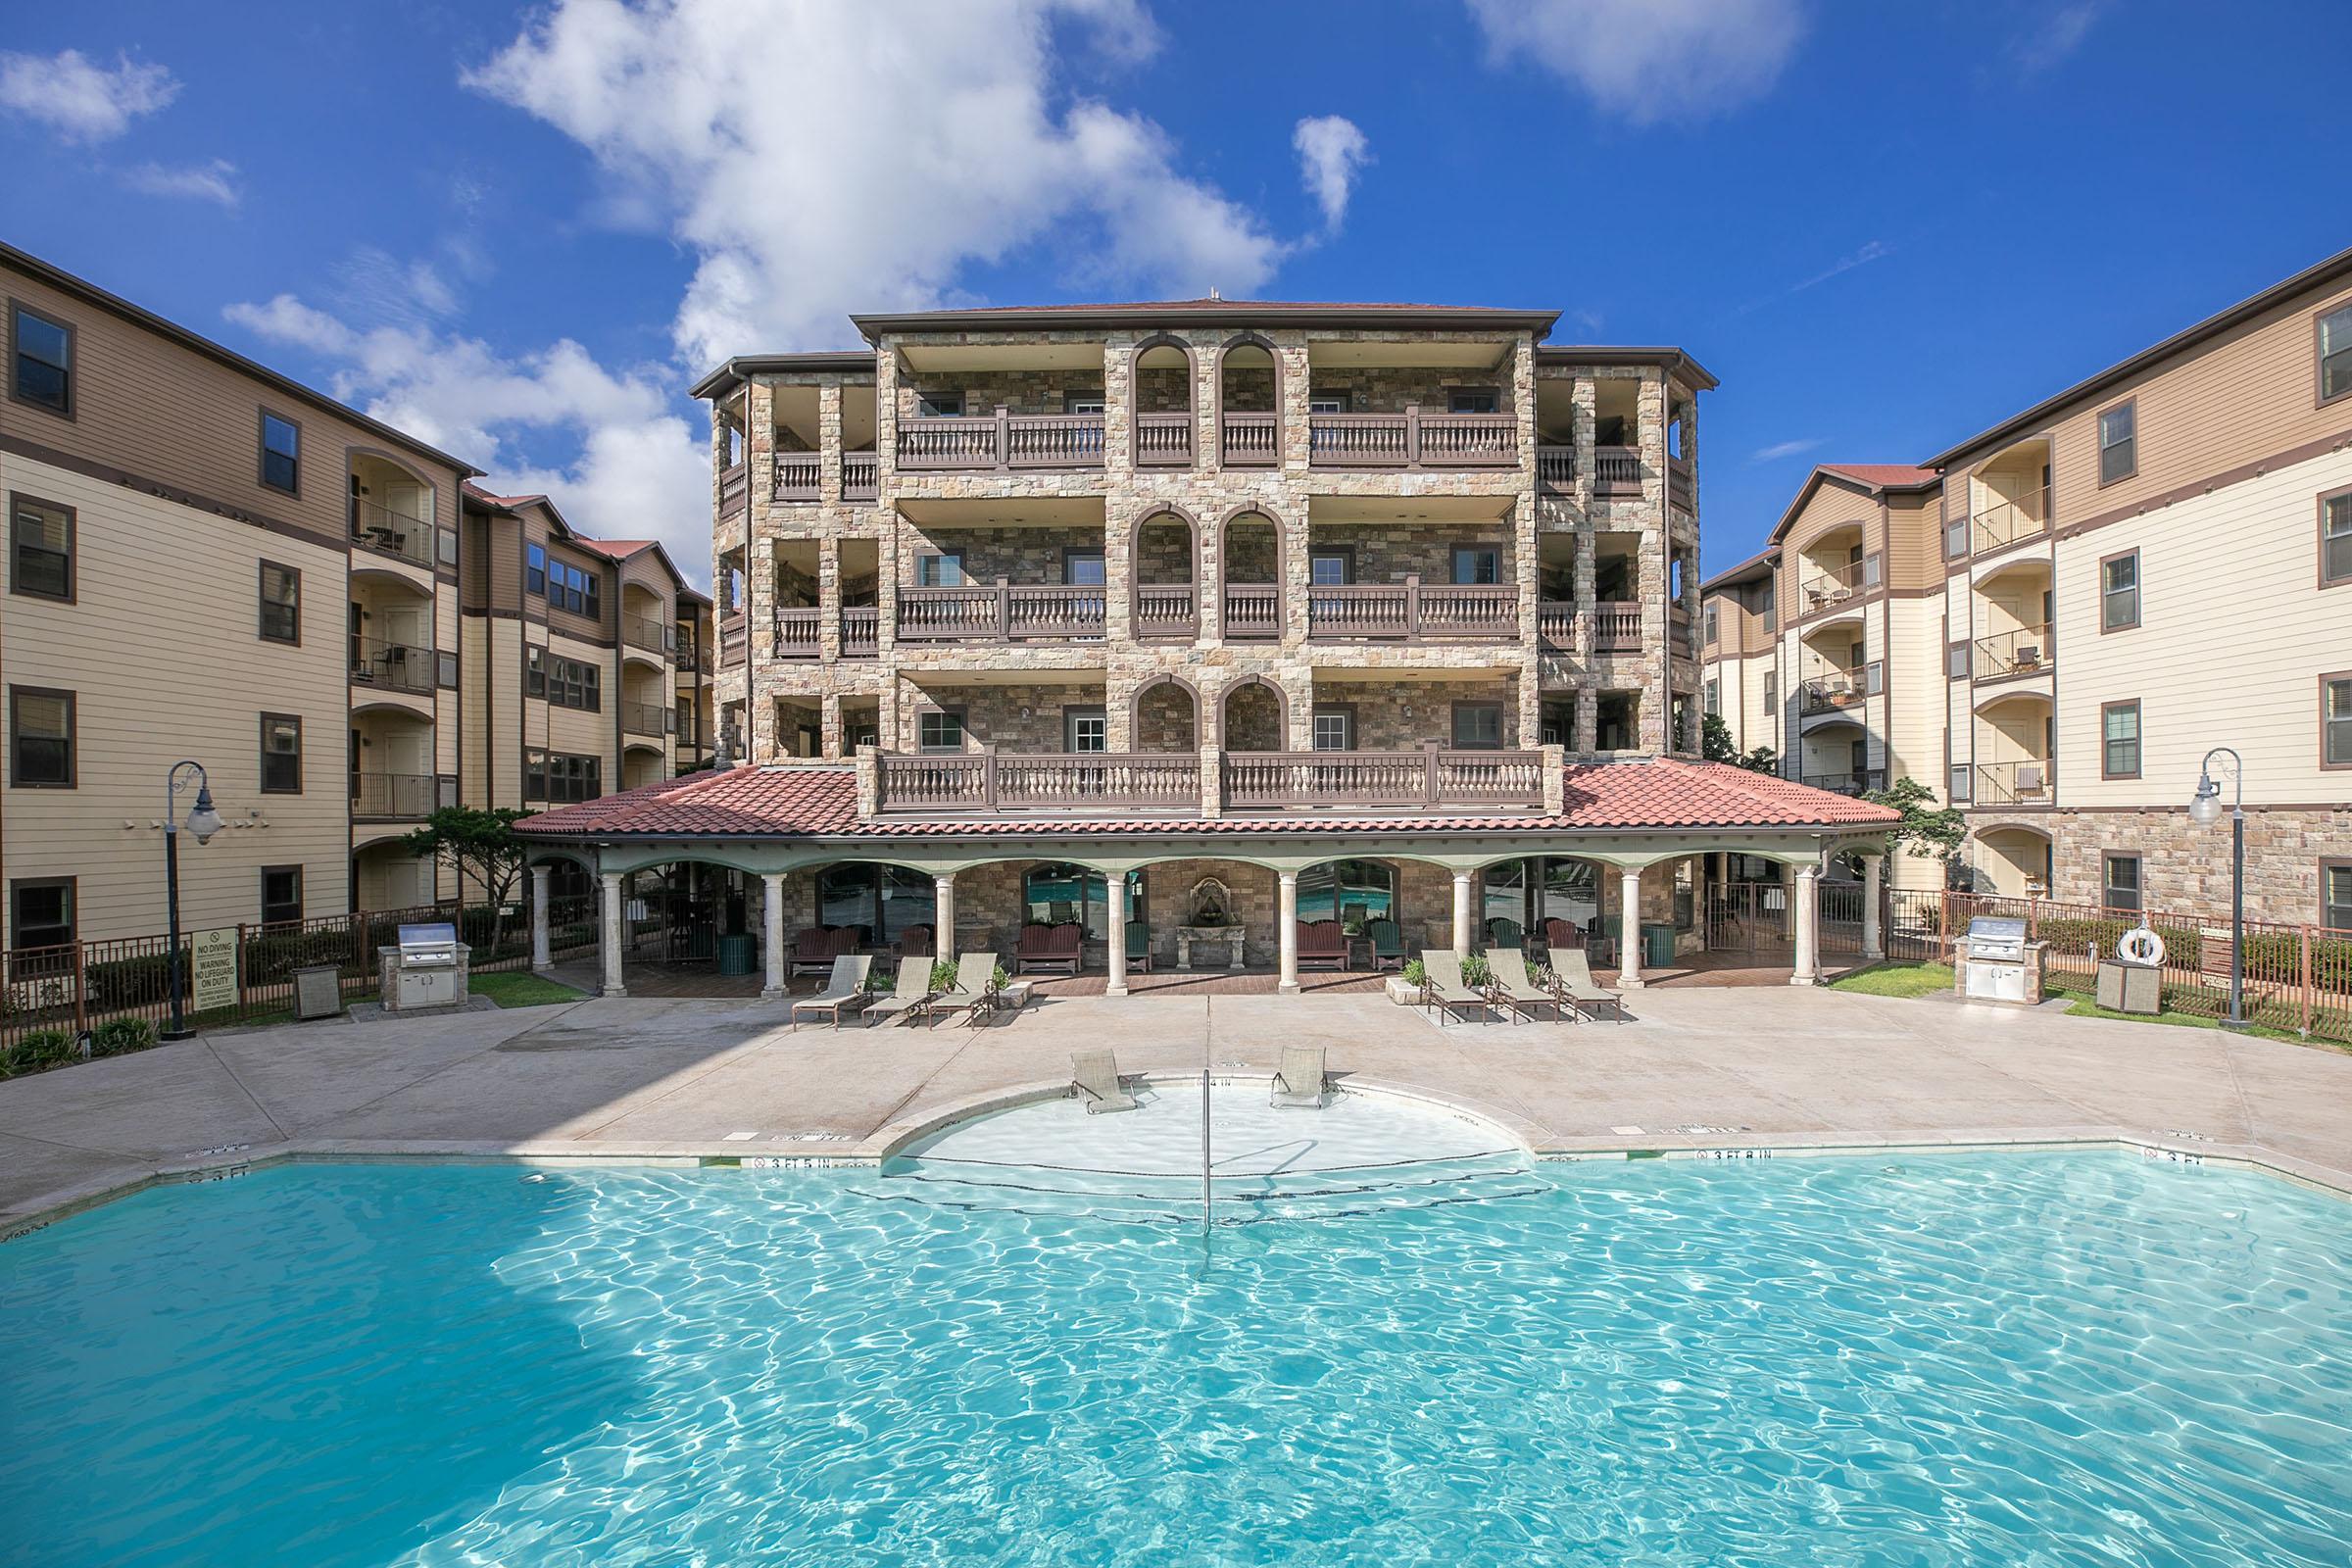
point(40, 549)
point(562, 779)
point(1715, 699)
point(2119, 739)
point(1082, 568)
point(1327, 402)
point(1334, 729)
point(565, 682)
point(1958, 781)
point(445, 670)
point(281, 604)
point(1082, 403)
point(40, 912)
point(534, 572)
point(2335, 895)
point(1955, 537)
point(940, 730)
point(2120, 883)
point(1772, 692)
point(281, 753)
point(938, 404)
point(2335, 538)
point(1473, 400)
point(1085, 730)
point(535, 673)
point(2119, 443)
point(573, 589)
point(2119, 592)
point(281, 895)
point(2336, 720)
point(1955, 661)
point(2336, 354)
point(1477, 563)
point(942, 570)
point(1331, 568)
point(1711, 627)
point(1478, 727)
point(40, 737)
point(282, 453)
point(43, 350)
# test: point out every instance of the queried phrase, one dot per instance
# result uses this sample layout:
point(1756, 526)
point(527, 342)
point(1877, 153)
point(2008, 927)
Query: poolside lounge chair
point(1445, 989)
point(1574, 974)
point(1138, 946)
point(1322, 945)
point(1095, 1078)
point(1515, 990)
point(1387, 938)
point(1298, 1084)
point(974, 992)
point(1051, 948)
point(912, 998)
point(815, 949)
point(844, 989)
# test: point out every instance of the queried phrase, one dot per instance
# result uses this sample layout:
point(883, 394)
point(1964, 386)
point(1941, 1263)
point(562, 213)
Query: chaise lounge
point(1574, 974)
point(1516, 991)
point(1444, 989)
point(1095, 1078)
point(974, 993)
point(910, 999)
point(1298, 1083)
point(845, 990)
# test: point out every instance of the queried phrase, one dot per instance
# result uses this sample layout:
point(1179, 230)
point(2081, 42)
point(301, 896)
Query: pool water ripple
point(1962, 1360)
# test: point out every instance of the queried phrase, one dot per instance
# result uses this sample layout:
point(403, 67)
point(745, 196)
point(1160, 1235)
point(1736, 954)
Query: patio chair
point(974, 993)
point(1095, 1078)
point(1504, 932)
point(918, 942)
point(1559, 933)
point(910, 999)
point(1445, 989)
point(1298, 1083)
point(1053, 949)
point(814, 950)
point(1516, 991)
point(1139, 947)
point(1573, 973)
point(845, 990)
point(1322, 945)
point(1387, 938)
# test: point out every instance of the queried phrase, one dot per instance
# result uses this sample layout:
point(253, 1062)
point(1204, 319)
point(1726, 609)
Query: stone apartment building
point(2050, 623)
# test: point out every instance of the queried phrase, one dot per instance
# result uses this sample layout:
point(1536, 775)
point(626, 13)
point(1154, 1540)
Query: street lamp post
point(2205, 810)
point(204, 823)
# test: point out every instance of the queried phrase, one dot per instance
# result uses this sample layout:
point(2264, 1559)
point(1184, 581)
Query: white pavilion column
point(1874, 946)
point(611, 935)
point(1116, 955)
point(1285, 920)
point(771, 926)
point(1629, 928)
point(1808, 925)
point(1461, 912)
point(541, 962)
point(943, 915)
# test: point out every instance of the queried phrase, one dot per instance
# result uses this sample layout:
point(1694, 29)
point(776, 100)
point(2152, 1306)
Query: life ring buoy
point(2140, 946)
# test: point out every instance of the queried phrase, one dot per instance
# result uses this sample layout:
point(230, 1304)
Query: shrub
point(120, 984)
point(37, 1049)
point(2073, 935)
point(1416, 973)
point(943, 974)
point(1476, 972)
point(998, 980)
point(119, 1037)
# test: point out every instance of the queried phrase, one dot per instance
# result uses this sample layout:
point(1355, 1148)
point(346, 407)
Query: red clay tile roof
point(618, 548)
point(815, 802)
point(1883, 475)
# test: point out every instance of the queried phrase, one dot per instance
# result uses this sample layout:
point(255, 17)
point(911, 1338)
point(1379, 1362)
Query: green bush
point(943, 974)
point(37, 1049)
point(2073, 936)
point(119, 1037)
point(1476, 972)
point(1416, 973)
point(118, 985)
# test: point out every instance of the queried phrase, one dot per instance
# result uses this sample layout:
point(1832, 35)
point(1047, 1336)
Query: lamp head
point(2205, 807)
point(203, 820)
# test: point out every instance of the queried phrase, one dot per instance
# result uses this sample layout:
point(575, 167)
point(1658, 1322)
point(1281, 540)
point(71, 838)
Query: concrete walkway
point(640, 1077)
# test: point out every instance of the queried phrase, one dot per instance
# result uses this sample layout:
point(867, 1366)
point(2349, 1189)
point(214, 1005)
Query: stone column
point(1873, 943)
point(1285, 920)
point(1461, 912)
point(611, 945)
point(943, 915)
point(1629, 928)
point(541, 963)
point(1115, 883)
point(771, 926)
point(1808, 926)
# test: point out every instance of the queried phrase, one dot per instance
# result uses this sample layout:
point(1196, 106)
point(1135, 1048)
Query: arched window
point(1350, 892)
point(883, 898)
point(1057, 893)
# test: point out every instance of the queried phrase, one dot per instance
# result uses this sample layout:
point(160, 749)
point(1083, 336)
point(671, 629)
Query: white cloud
point(2048, 36)
point(1875, 251)
point(78, 98)
point(211, 181)
point(1330, 149)
point(1784, 449)
point(1651, 59)
point(814, 162)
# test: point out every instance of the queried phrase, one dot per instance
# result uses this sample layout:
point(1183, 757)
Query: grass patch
point(514, 989)
point(2084, 1009)
point(1898, 980)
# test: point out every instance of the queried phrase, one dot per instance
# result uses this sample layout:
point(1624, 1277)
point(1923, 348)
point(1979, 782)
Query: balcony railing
point(1412, 440)
point(733, 486)
point(687, 658)
point(399, 797)
point(1167, 611)
point(1002, 614)
point(1411, 612)
point(860, 475)
point(799, 476)
point(2025, 651)
point(1430, 779)
point(391, 533)
point(390, 666)
point(799, 632)
point(1249, 440)
point(986, 782)
point(1841, 691)
point(1826, 587)
point(647, 718)
point(1002, 440)
point(860, 633)
point(1253, 612)
point(1616, 470)
point(644, 631)
point(1617, 627)
point(1555, 623)
point(1849, 782)
point(1555, 468)
point(1681, 481)
point(730, 641)
point(2005, 522)
point(1163, 440)
point(2022, 783)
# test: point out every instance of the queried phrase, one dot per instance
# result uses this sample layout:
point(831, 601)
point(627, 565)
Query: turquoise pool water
point(2023, 1360)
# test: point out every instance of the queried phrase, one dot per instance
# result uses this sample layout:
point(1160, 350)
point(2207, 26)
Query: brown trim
point(1282, 708)
point(2098, 444)
point(261, 451)
point(2108, 860)
point(1345, 553)
point(262, 753)
point(2345, 496)
point(2344, 675)
point(338, 541)
point(1070, 553)
point(2328, 863)
point(18, 498)
point(1345, 711)
point(2319, 365)
point(2139, 739)
point(262, 602)
point(15, 696)
point(2195, 489)
point(1165, 677)
point(71, 411)
point(73, 888)
point(2138, 592)
point(963, 726)
point(261, 903)
point(1073, 710)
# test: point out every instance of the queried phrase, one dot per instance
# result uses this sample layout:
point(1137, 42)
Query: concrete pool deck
point(660, 1078)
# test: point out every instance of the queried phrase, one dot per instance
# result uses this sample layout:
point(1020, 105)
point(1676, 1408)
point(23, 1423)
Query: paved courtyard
point(649, 1076)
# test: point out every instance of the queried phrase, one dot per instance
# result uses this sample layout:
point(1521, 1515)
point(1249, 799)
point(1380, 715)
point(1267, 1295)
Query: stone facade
point(2183, 867)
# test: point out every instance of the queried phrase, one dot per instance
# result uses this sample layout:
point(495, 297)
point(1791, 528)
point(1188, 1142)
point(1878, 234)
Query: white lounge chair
point(1095, 1078)
point(1515, 990)
point(844, 989)
point(1445, 989)
point(1298, 1083)
point(974, 992)
point(1573, 973)
point(910, 999)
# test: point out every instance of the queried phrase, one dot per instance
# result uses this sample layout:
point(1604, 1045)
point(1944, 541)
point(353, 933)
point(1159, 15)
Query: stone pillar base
point(1114, 991)
point(767, 994)
point(1804, 980)
point(614, 991)
point(1632, 982)
point(1287, 988)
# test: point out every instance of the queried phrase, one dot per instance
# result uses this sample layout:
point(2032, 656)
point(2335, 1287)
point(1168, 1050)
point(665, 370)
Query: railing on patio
point(1825, 587)
point(1555, 468)
point(1848, 782)
point(730, 641)
point(1412, 440)
point(1165, 611)
point(2006, 522)
point(1253, 612)
point(1249, 440)
point(1617, 627)
point(652, 635)
point(1681, 481)
point(860, 475)
point(799, 476)
point(733, 486)
point(647, 718)
point(399, 797)
point(1555, 623)
point(1002, 440)
point(860, 631)
point(1429, 779)
point(1003, 612)
point(1834, 693)
point(390, 666)
point(2030, 782)
point(800, 631)
point(1163, 440)
point(987, 781)
point(1616, 471)
point(2027, 650)
point(1412, 612)
point(391, 533)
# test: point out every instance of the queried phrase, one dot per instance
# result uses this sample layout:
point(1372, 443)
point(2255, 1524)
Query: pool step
point(1235, 1200)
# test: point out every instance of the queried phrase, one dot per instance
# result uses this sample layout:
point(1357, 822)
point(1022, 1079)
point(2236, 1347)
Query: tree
point(1715, 745)
point(481, 846)
point(1927, 830)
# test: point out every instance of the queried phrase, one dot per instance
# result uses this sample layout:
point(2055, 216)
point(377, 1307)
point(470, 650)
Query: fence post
point(244, 971)
point(2308, 987)
point(1004, 611)
point(82, 990)
point(988, 775)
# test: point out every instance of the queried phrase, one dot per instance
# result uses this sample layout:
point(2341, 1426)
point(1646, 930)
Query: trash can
point(735, 954)
point(1657, 945)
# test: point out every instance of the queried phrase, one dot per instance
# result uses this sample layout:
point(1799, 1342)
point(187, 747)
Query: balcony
point(730, 641)
point(799, 632)
point(1253, 612)
point(1555, 468)
point(647, 718)
point(1163, 440)
point(733, 486)
point(986, 782)
point(2030, 782)
point(799, 476)
point(1004, 440)
point(1409, 612)
point(391, 533)
point(1827, 587)
point(391, 666)
point(1849, 782)
point(688, 659)
point(860, 633)
point(1682, 483)
point(1412, 440)
point(653, 636)
point(1166, 612)
point(2025, 651)
point(1555, 624)
point(1004, 613)
point(398, 797)
point(2004, 521)
point(1839, 692)
point(1431, 779)
point(1249, 440)
point(860, 475)
point(1617, 627)
point(1617, 472)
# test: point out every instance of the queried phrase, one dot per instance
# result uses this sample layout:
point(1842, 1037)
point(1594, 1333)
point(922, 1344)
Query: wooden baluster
point(1429, 772)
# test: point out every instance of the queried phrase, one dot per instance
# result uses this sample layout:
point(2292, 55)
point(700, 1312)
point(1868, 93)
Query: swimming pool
point(1956, 1359)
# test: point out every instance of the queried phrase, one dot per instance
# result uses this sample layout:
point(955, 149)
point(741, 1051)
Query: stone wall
point(1014, 719)
point(1386, 390)
point(1019, 556)
point(1399, 715)
point(1162, 391)
point(1390, 552)
point(1163, 552)
point(1166, 721)
point(1020, 391)
point(2185, 868)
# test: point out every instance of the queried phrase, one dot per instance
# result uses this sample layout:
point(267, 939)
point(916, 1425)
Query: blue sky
point(522, 231)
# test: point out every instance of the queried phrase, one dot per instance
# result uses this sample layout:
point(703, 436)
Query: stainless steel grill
point(1995, 955)
point(425, 967)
